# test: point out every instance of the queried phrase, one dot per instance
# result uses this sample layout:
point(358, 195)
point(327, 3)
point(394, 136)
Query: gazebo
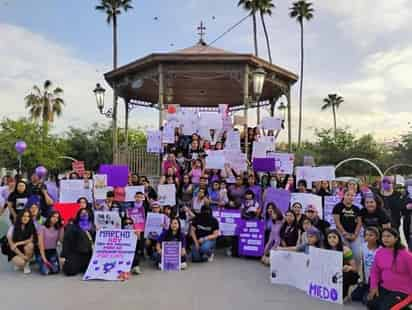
point(203, 77)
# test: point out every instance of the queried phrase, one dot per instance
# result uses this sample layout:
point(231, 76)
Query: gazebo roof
point(198, 76)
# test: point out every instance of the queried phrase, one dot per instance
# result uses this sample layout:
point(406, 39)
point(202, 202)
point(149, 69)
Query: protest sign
point(52, 190)
point(71, 190)
point(268, 139)
point(279, 197)
point(229, 221)
point(306, 200)
point(329, 203)
point(67, 211)
point(410, 191)
point(168, 134)
point(271, 123)
point(130, 192)
point(261, 149)
point(112, 256)
point(137, 214)
point(154, 225)
point(171, 256)
point(167, 194)
point(284, 162)
point(263, 164)
point(117, 175)
point(211, 120)
point(215, 159)
point(236, 160)
point(107, 220)
point(100, 186)
point(251, 238)
point(399, 180)
point(308, 161)
point(312, 174)
point(78, 167)
point(154, 141)
point(232, 140)
point(318, 273)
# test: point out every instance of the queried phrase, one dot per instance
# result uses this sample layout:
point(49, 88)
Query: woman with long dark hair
point(17, 200)
point(289, 232)
point(391, 274)
point(372, 214)
point(78, 243)
point(21, 237)
point(49, 235)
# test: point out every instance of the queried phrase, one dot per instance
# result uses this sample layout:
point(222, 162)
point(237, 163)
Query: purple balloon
point(20, 146)
point(41, 171)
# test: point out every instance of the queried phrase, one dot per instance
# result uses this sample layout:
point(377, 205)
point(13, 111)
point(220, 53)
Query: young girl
point(21, 237)
point(369, 248)
point(297, 209)
point(214, 195)
point(174, 233)
point(314, 238)
point(274, 237)
point(250, 207)
point(196, 172)
point(17, 200)
point(333, 241)
point(223, 195)
point(268, 220)
point(49, 235)
point(289, 232)
point(391, 274)
point(185, 196)
point(33, 205)
point(306, 225)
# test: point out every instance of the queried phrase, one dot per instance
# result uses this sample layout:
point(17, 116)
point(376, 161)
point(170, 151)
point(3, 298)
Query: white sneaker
point(211, 258)
point(183, 265)
point(16, 268)
point(27, 269)
point(228, 252)
point(136, 270)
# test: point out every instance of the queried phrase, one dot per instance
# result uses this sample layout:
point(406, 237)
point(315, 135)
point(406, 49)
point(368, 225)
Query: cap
point(313, 232)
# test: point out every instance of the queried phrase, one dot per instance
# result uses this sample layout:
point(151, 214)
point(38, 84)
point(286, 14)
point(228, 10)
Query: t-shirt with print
point(368, 257)
point(377, 218)
point(348, 216)
point(205, 226)
point(19, 201)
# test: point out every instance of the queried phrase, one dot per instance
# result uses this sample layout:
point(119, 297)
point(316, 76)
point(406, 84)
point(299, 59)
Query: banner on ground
point(154, 225)
point(167, 194)
point(113, 254)
point(171, 256)
point(318, 273)
point(229, 221)
point(313, 174)
point(251, 238)
point(71, 190)
point(107, 220)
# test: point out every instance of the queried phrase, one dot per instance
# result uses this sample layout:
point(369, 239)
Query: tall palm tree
point(251, 6)
point(265, 8)
point(333, 101)
point(301, 11)
point(112, 9)
point(45, 104)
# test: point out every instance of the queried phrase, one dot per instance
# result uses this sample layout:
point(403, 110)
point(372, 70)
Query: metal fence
point(139, 161)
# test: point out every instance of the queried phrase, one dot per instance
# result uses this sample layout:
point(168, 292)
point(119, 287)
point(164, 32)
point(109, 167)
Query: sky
point(360, 49)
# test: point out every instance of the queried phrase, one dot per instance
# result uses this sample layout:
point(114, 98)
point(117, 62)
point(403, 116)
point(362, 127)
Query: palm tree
point(251, 6)
point(45, 104)
point(332, 101)
point(112, 9)
point(265, 8)
point(301, 11)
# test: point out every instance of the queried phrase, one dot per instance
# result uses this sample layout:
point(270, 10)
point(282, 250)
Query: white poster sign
point(313, 174)
point(261, 149)
point(154, 141)
point(71, 190)
point(236, 160)
point(167, 194)
point(130, 192)
point(284, 162)
point(215, 160)
point(211, 120)
point(100, 186)
point(168, 134)
point(154, 225)
point(107, 220)
point(232, 140)
point(306, 200)
point(271, 123)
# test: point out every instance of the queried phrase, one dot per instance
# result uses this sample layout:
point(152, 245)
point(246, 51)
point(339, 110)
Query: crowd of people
point(376, 263)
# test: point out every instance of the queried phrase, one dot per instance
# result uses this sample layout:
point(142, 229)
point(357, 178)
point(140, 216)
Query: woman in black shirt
point(372, 214)
point(289, 232)
point(17, 200)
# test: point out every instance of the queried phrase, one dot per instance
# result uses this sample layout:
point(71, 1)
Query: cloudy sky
point(361, 49)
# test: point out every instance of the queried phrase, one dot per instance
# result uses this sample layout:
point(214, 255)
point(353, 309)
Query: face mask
point(84, 217)
point(386, 186)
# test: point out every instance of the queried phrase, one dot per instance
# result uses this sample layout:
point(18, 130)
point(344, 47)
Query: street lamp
point(258, 77)
point(282, 109)
point(99, 92)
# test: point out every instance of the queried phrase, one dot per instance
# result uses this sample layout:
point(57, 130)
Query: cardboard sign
point(171, 256)
point(113, 254)
point(215, 160)
point(117, 175)
point(313, 174)
point(306, 200)
point(271, 123)
point(284, 162)
point(232, 141)
point(229, 221)
point(107, 220)
point(154, 225)
point(261, 149)
point(168, 134)
point(154, 142)
point(167, 194)
point(279, 197)
point(251, 238)
point(130, 192)
point(71, 190)
point(236, 160)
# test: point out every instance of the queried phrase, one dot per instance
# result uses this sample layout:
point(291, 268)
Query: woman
point(391, 274)
point(268, 218)
point(170, 166)
point(254, 187)
point(200, 200)
point(17, 200)
point(236, 193)
point(49, 235)
point(289, 232)
point(250, 208)
point(185, 196)
point(33, 205)
point(297, 209)
point(274, 237)
point(290, 184)
point(314, 238)
point(392, 201)
point(78, 243)
point(333, 241)
point(372, 214)
point(174, 233)
point(214, 195)
point(196, 172)
point(21, 237)
point(306, 225)
point(349, 223)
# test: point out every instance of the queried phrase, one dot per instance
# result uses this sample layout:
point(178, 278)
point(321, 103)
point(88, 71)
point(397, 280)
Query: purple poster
point(171, 256)
point(251, 238)
point(279, 197)
point(264, 164)
point(117, 175)
point(137, 215)
point(229, 221)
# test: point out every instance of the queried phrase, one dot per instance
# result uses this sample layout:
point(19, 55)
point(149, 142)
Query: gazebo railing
point(139, 161)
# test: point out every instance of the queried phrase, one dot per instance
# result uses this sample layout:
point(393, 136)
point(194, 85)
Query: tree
point(333, 101)
point(45, 104)
point(252, 7)
point(112, 9)
point(265, 8)
point(301, 11)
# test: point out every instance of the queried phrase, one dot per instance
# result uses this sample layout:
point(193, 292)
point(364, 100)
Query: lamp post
point(258, 78)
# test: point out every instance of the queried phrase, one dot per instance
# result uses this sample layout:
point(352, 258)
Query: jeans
point(204, 252)
point(53, 259)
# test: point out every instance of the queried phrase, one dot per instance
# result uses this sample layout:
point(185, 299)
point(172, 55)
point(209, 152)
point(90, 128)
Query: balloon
point(171, 109)
point(20, 146)
point(41, 171)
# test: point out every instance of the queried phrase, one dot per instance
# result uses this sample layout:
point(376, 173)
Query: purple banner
point(264, 164)
point(229, 221)
point(117, 175)
point(251, 238)
point(171, 256)
point(280, 197)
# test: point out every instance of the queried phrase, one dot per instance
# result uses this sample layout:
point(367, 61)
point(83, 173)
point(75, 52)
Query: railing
point(139, 161)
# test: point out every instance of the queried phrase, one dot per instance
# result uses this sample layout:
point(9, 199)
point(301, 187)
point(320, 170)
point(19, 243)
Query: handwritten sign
point(154, 142)
point(171, 256)
point(71, 190)
point(251, 238)
point(130, 192)
point(271, 123)
point(154, 225)
point(284, 162)
point(167, 194)
point(313, 174)
point(229, 221)
point(215, 160)
point(107, 220)
point(138, 216)
point(306, 200)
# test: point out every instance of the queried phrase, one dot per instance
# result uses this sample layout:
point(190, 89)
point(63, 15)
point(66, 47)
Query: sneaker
point(159, 266)
point(16, 268)
point(211, 258)
point(136, 270)
point(183, 265)
point(228, 252)
point(27, 269)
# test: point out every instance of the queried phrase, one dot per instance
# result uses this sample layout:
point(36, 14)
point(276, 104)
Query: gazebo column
point(289, 105)
point(246, 104)
point(258, 112)
point(161, 95)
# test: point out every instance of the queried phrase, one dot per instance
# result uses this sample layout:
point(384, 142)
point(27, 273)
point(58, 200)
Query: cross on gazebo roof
point(201, 32)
